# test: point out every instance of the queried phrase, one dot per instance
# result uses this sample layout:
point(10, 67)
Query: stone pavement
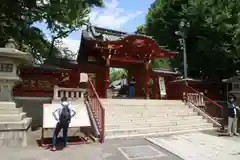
point(201, 146)
point(135, 149)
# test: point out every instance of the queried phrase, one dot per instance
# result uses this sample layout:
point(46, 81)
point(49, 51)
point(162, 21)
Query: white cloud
point(112, 16)
point(71, 44)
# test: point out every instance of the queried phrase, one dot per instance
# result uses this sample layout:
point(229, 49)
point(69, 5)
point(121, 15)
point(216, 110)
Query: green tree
point(140, 29)
point(61, 16)
point(116, 74)
point(212, 39)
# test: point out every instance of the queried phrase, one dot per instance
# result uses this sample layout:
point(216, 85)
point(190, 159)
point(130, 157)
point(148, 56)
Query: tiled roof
point(166, 71)
point(102, 34)
point(186, 79)
point(231, 79)
point(49, 67)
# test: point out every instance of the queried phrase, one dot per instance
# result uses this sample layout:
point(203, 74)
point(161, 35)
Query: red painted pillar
point(147, 92)
point(107, 80)
point(155, 88)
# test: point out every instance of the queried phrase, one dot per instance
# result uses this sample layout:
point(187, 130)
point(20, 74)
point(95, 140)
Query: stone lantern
point(10, 58)
point(13, 122)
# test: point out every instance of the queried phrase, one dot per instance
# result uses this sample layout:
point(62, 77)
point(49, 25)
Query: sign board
point(83, 77)
point(162, 86)
point(81, 119)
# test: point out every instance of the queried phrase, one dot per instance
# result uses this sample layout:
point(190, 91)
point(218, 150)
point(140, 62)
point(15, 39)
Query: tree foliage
point(140, 30)
point(116, 74)
point(213, 38)
point(61, 17)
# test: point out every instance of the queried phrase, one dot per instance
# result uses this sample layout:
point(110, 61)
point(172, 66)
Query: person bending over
point(63, 117)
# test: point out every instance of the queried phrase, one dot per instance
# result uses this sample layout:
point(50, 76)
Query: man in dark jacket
point(232, 115)
point(132, 87)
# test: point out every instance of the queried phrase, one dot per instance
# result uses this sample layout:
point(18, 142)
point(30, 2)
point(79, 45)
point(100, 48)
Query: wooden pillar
point(107, 77)
point(155, 88)
point(106, 80)
point(147, 91)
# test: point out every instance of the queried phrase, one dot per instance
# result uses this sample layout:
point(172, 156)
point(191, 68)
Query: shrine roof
point(181, 79)
point(108, 35)
point(165, 71)
point(102, 34)
point(231, 79)
point(49, 67)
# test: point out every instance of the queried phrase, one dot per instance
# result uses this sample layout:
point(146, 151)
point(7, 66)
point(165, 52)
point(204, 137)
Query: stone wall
point(34, 109)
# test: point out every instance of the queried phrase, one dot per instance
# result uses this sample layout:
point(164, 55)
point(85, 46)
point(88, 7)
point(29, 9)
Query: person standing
point(132, 87)
point(63, 116)
point(232, 115)
point(124, 86)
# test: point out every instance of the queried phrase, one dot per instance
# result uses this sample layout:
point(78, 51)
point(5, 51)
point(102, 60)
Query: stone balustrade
point(70, 93)
point(196, 98)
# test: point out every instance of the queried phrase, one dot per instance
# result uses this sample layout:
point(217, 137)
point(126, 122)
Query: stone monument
point(234, 84)
point(13, 121)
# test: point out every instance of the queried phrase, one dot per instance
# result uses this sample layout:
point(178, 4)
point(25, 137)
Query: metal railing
point(97, 108)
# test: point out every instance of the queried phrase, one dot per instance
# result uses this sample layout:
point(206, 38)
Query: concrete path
point(135, 149)
point(201, 146)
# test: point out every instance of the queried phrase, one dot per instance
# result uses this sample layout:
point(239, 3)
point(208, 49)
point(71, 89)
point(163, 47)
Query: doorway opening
point(119, 82)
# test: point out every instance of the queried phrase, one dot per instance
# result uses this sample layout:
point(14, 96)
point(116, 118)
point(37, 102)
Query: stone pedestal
point(13, 122)
point(13, 125)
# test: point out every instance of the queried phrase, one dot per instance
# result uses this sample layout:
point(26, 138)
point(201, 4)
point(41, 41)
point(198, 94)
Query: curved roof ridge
point(103, 34)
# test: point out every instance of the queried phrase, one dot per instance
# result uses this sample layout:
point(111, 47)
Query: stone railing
point(70, 93)
point(196, 99)
point(207, 105)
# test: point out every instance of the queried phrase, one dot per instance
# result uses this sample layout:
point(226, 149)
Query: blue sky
point(123, 15)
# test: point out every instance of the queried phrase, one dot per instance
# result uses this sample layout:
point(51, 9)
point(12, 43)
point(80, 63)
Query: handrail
point(97, 109)
point(211, 101)
point(221, 107)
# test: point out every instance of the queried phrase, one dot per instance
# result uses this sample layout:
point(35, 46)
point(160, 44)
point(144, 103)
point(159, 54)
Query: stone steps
point(150, 120)
point(136, 102)
point(130, 136)
point(152, 113)
point(154, 124)
point(140, 106)
point(12, 117)
point(151, 130)
point(134, 118)
point(7, 105)
point(11, 110)
point(146, 110)
point(13, 125)
point(18, 125)
point(160, 116)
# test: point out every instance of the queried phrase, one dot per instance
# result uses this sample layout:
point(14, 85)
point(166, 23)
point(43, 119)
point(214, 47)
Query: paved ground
point(201, 146)
point(192, 146)
point(137, 149)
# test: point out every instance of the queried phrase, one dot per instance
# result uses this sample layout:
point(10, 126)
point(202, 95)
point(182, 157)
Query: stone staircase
point(142, 118)
point(13, 125)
